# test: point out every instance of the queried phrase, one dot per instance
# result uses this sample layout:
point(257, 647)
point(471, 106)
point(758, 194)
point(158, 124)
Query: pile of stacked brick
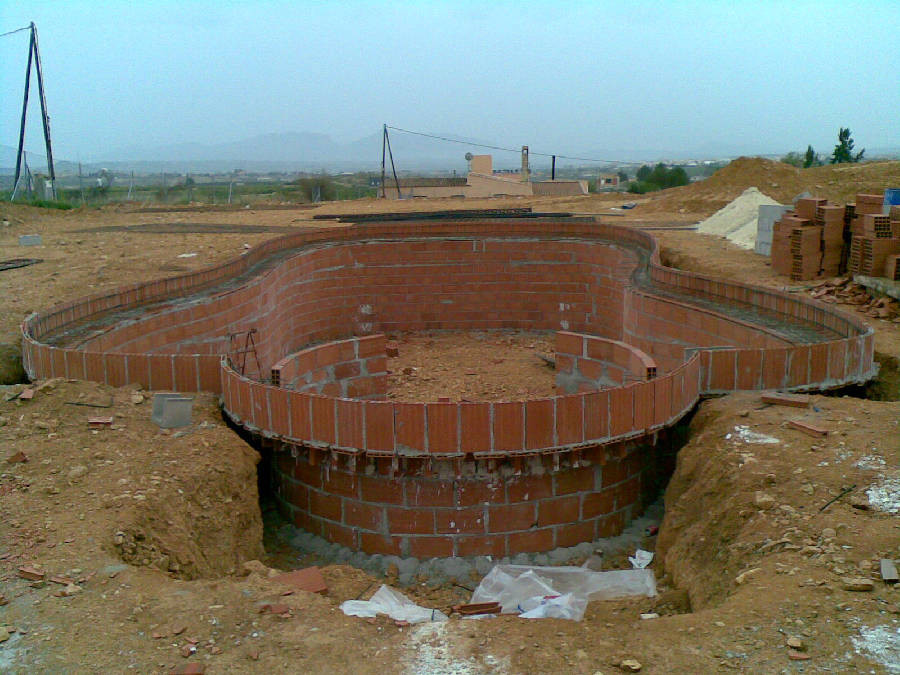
point(818, 239)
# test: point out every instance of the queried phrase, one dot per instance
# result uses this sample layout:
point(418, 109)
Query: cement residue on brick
point(466, 571)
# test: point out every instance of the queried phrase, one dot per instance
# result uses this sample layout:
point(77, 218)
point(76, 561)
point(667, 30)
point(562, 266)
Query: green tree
point(623, 176)
point(812, 158)
point(659, 177)
point(793, 158)
point(843, 151)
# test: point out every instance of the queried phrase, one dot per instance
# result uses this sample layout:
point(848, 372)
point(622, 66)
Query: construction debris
point(793, 400)
point(841, 291)
point(309, 579)
point(473, 609)
point(31, 573)
point(888, 571)
point(808, 428)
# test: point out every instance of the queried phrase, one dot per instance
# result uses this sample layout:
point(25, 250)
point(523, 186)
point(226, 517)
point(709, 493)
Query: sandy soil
point(475, 366)
point(155, 529)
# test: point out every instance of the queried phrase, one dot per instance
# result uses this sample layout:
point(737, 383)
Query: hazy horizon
point(628, 80)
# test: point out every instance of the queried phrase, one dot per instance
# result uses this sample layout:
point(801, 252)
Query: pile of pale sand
point(737, 222)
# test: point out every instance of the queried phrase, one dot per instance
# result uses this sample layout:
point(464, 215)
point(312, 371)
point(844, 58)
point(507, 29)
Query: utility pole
point(387, 140)
point(383, 149)
point(34, 57)
point(80, 184)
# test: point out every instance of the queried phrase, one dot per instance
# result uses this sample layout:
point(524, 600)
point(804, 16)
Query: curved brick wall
point(650, 341)
point(531, 507)
point(353, 368)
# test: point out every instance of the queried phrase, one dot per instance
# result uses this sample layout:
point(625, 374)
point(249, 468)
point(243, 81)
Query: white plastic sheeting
point(393, 603)
point(558, 592)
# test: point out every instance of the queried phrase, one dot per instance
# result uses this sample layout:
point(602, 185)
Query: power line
point(516, 150)
point(17, 30)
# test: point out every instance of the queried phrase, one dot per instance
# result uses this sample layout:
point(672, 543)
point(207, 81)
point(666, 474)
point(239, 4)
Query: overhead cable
point(516, 150)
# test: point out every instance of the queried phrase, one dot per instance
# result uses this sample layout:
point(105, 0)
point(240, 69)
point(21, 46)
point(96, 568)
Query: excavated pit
point(304, 323)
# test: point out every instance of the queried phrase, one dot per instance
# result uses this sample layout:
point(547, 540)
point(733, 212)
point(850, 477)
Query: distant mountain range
point(278, 152)
point(306, 151)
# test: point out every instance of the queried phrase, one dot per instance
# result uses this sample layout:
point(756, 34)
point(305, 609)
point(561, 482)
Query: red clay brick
point(611, 525)
point(569, 343)
point(621, 404)
point(508, 426)
point(342, 371)
point(778, 398)
point(433, 493)
point(460, 521)
point(568, 481)
point(379, 426)
point(597, 504)
point(472, 492)
point(808, 428)
point(575, 533)
point(531, 541)
point(475, 427)
point(350, 423)
point(570, 419)
point(361, 514)
point(488, 545)
point(325, 505)
point(558, 510)
point(596, 415)
point(409, 425)
point(381, 489)
point(442, 427)
point(539, 423)
point(529, 488)
point(300, 423)
point(323, 418)
point(430, 547)
point(410, 521)
point(373, 543)
point(340, 483)
point(511, 517)
point(309, 579)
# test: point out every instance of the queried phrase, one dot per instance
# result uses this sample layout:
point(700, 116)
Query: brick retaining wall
point(642, 341)
point(412, 513)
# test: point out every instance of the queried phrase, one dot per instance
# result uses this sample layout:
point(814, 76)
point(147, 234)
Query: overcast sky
point(695, 78)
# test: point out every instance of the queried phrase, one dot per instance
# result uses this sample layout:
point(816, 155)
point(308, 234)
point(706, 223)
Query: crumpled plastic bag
point(558, 592)
point(640, 559)
point(393, 603)
point(560, 607)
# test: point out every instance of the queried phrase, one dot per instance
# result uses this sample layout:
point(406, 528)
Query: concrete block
point(171, 411)
point(768, 214)
point(30, 240)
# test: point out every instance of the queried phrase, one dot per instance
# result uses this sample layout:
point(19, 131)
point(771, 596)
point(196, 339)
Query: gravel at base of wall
point(439, 571)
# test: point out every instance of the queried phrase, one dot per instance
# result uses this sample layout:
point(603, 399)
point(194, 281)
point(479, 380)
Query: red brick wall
point(300, 301)
point(412, 513)
point(457, 429)
point(588, 363)
point(353, 368)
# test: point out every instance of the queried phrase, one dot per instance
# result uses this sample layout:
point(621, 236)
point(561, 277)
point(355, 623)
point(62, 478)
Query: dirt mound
point(743, 507)
point(839, 183)
point(184, 502)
